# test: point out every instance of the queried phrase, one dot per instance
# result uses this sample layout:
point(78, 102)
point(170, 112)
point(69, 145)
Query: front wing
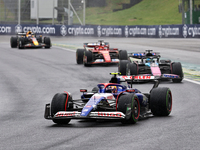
point(31, 45)
point(77, 114)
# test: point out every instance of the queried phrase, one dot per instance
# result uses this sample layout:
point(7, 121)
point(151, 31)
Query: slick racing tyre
point(13, 42)
point(177, 70)
point(123, 55)
point(47, 42)
point(61, 102)
point(79, 56)
point(129, 105)
point(39, 39)
point(21, 43)
point(123, 67)
point(87, 58)
point(161, 101)
point(133, 69)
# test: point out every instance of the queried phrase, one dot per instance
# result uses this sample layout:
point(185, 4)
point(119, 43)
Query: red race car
point(98, 53)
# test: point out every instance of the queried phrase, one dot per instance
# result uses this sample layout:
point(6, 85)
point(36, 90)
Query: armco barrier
point(155, 31)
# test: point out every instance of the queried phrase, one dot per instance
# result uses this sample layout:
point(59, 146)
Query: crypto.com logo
point(99, 31)
point(185, 31)
point(126, 31)
point(63, 30)
point(18, 28)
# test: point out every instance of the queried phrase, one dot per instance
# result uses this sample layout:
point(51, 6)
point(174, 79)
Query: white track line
point(192, 81)
point(65, 49)
point(196, 82)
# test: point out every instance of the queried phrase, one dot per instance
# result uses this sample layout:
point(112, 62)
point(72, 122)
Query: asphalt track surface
point(29, 79)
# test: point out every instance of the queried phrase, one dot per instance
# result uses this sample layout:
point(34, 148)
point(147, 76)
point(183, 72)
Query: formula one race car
point(29, 40)
point(111, 101)
point(98, 53)
point(150, 64)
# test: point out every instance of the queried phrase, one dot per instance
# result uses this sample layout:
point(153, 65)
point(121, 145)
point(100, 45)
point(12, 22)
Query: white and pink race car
point(149, 64)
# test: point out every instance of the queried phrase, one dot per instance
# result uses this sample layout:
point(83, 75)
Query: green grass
point(147, 12)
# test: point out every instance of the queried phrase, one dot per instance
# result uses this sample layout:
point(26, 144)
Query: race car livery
point(29, 40)
point(99, 53)
point(114, 100)
point(149, 63)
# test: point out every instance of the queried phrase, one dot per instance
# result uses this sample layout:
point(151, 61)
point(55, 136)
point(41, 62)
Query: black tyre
point(47, 41)
point(123, 55)
point(87, 58)
point(177, 69)
point(79, 56)
point(21, 43)
point(61, 102)
point(130, 103)
point(95, 90)
point(133, 69)
point(123, 67)
point(161, 101)
point(165, 61)
point(13, 42)
point(39, 39)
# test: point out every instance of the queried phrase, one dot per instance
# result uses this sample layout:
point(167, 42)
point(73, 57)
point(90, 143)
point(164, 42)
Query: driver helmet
point(28, 34)
point(148, 60)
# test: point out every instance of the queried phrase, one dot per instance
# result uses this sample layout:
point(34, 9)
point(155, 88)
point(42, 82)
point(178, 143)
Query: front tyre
point(13, 42)
point(129, 105)
point(47, 42)
point(87, 58)
point(123, 55)
point(61, 102)
point(21, 43)
point(161, 101)
point(79, 56)
point(133, 69)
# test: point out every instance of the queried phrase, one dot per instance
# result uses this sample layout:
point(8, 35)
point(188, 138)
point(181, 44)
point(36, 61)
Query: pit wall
point(154, 31)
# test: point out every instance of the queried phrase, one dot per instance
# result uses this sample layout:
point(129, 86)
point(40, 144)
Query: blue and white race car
point(114, 100)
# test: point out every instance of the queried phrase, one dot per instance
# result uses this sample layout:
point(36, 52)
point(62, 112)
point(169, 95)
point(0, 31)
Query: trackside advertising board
point(154, 31)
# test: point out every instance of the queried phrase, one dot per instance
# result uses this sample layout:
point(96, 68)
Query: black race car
point(29, 40)
point(149, 63)
point(114, 100)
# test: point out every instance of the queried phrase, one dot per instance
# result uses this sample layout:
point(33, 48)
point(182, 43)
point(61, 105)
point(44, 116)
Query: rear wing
point(95, 44)
point(147, 54)
point(138, 78)
point(21, 34)
point(24, 34)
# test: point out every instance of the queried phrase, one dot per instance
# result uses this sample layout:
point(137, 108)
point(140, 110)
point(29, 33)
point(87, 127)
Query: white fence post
point(19, 12)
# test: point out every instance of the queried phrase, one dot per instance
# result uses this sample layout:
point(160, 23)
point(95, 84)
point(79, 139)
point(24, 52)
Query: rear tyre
point(123, 67)
point(161, 101)
point(87, 58)
point(13, 42)
point(129, 105)
point(47, 42)
point(177, 69)
point(123, 55)
point(61, 102)
point(79, 56)
point(133, 69)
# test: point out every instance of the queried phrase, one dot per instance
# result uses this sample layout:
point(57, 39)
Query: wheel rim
point(136, 109)
point(169, 102)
